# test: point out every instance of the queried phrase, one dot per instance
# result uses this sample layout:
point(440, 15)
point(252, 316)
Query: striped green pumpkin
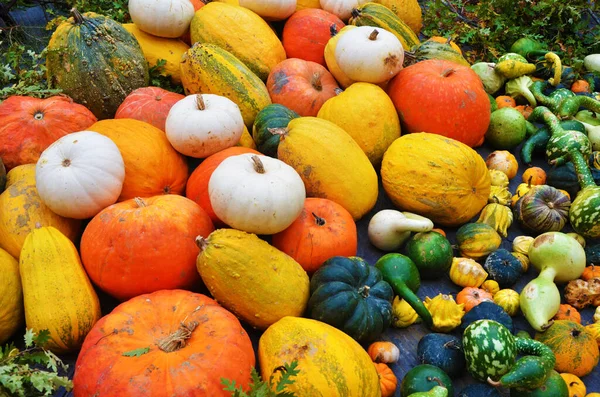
point(377, 15)
point(272, 116)
point(209, 69)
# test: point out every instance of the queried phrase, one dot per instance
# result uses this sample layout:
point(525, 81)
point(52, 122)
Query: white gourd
point(162, 18)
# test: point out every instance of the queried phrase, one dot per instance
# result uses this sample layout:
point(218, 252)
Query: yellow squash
point(241, 32)
point(302, 4)
point(332, 64)
point(251, 278)
point(155, 48)
point(57, 292)
point(330, 163)
point(11, 297)
point(246, 140)
point(409, 11)
point(21, 210)
point(368, 115)
point(331, 363)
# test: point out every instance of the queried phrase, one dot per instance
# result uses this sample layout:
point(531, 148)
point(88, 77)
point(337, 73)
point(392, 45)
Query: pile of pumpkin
point(293, 133)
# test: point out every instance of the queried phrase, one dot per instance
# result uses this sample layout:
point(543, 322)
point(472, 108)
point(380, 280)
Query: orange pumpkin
point(534, 176)
point(568, 312)
point(144, 245)
point(169, 343)
point(590, 272)
point(525, 110)
point(383, 352)
point(302, 86)
point(575, 348)
point(197, 186)
point(472, 296)
point(152, 166)
point(504, 101)
point(387, 380)
point(503, 160)
point(149, 104)
point(323, 230)
point(580, 86)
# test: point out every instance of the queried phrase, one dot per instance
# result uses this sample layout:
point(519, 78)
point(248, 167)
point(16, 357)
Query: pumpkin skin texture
point(29, 125)
point(62, 279)
point(306, 33)
point(126, 248)
point(11, 297)
point(368, 115)
point(329, 228)
point(443, 351)
point(272, 116)
point(337, 365)
point(330, 163)
point(157, 169)
point(98, 75)
point(302, 86)
point(240, 31)
point(102, 369)
point(454, 104)
point(23, 210)
point(267, 284)
point(148, 104)
point(458, 182)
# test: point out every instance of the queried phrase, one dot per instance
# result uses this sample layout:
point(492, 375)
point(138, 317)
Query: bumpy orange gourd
point(387, 379)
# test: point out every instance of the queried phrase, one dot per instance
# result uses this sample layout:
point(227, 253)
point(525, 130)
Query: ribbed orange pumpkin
point(29, 125)
point(152, 166)
point(144, 245)
point(441, 97)
point(568, 312)
point(148, 104)
point(197, 186)
point(185, 344)
point(387, 379)
point(471, 297)
point(591, 272)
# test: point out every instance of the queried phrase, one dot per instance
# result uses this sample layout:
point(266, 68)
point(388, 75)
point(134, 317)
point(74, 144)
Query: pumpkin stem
point(496, 199)
point(258, 165)
point(333, 30)
point(435, 379)
point(493, 382)
point(76, 16)
point(282, 132)
point(66, 162)
point(452, 344)
point(355, 13)
point(364, 291)
point(316, 81)
point(38, 115)
point(178, 339)
point(548, 325)
point(373, 35)
point(200, 102)
point(575, 333)
point(318, 220)
point(448, 40)
point(529, 181)
point(201, 243)
point(140, 202)
point(447, 72)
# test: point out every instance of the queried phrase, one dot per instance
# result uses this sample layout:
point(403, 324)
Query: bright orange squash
point(568, 312)
point(149, 104)
point(387, 379)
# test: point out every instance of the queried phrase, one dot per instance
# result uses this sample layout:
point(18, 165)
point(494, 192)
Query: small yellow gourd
point(445, 312)
point(594, 329)
point(524, 259)
point(465, 272)
point(490, 286)
point(403, 314)
point(498, 178)
point(499, 194)
point(576, 386)
point(498, 216)
point(508, 299)
point(522, 244)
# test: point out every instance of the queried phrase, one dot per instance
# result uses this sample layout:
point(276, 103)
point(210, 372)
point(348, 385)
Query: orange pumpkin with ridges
point(471, 297)
point(568, 312)
point(148, 104)
point(387, 379)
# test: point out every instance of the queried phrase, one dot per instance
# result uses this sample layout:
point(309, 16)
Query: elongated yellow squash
point(155, 48)
point(57, 292)
point(251, 278)
point(331, 363)
point(241, 32)
point(331, 164)
point(209, 69)
point(11, 296)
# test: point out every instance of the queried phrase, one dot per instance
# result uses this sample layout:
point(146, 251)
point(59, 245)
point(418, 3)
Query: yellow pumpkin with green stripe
point(377, 15)
point(209, 69)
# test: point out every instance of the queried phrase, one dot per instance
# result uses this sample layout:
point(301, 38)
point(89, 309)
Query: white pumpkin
point(341, 8)
point(256, 194)
point(368, 54)
point(163, 18)
point(203, 124)
point(271, 10)
point(80, 174)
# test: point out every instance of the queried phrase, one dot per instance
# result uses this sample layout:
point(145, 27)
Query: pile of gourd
point(295, 132)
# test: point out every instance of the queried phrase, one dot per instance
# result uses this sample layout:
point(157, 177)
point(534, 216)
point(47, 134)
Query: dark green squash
point(554, 386)
point(564, 177)
point(2, 176)
point(350, 295)
point(503, 267)
point(444, 351)
point(487, 311)
point(425, 377)
point(95, 61)
point(271, 116)
point(592, 253)
point(479, 390)
point(431, 252)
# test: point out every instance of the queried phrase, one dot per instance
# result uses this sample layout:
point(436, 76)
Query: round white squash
point(271, 10)
point(341, 8)
point(80, 174)
point(203, 124)
point(368, 54)
point(163, 18)
point(256, 194)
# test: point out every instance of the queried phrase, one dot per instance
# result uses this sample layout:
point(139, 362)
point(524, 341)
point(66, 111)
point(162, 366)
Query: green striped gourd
point(433, 50)
point(272, 116)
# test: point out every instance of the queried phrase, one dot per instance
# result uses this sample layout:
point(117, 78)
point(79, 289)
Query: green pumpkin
point(431, 252)
point(503, 267)
point(477, 240)
point(271, 116)
point(592, 253)
point(564, 177)
point(554, 386)
point(487, 311)
point(444, 351)
point(425, 377)
point(95, 61)
point(352, 296)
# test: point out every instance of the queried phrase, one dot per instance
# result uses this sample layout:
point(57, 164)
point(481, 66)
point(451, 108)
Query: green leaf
point(42, 337)
point(136, 352)
point(29, 337)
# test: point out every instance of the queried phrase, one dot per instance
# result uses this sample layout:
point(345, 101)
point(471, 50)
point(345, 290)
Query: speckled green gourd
point(95, 61)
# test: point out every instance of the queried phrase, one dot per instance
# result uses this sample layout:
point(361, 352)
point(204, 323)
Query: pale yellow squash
point(368, 115)
point(302, 4)
point(332, 65)
point(57, 292)
point(409, 11)
point(246, 140)
point(11, 297)
point(155, 48)
point(22, 209)
point(331, 164)
point(331, 363)
point(251, 278)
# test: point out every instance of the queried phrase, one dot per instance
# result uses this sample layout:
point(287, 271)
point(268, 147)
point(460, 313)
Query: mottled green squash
point(272, 116)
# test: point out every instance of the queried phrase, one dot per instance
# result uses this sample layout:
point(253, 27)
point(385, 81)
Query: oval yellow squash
point(155, 48)
point(251, 278)
point(330, 163)
point(22, 209)
point(332, 64)
point(11, 297)
point(57, 293)
point(437, 177)
point(368, 115)
point(246, 140)
point(209, 69)
point(241, 32)
point(330, 362)
point(409, 11)
point(302, 4)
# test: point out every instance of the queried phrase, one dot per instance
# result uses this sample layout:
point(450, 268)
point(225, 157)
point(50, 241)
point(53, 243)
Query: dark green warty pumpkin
point(503, 267)
point(350, 295)
point(271, 116)
point(444, 351)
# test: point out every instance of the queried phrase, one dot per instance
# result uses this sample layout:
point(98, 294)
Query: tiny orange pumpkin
point(534, 176)
point(568, 312)
point(505, 101)
point(471, 297)
point(590, 272)
point(503, 160)
point(580, 86)
point(387, 379)
point(383, 352)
